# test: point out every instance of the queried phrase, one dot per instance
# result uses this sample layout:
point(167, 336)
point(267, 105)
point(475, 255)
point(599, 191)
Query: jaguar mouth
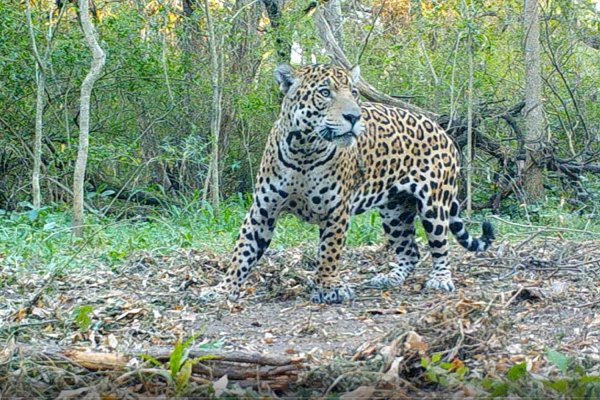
point(328, 134)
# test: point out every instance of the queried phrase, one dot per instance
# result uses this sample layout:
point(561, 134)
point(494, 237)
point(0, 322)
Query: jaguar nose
point(352, 118)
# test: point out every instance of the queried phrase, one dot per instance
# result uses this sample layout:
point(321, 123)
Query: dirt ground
point(512, 303)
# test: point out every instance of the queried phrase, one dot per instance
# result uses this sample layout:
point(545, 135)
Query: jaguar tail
point(457, 227)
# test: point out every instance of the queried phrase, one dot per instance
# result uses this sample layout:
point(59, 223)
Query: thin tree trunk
point(40, 75)
point(98, 59)
point(215, 118)
point(533, 178)
point(333, 14)
point(369, 92)
point(37, 141)
point(41, 64)
point(470, 128)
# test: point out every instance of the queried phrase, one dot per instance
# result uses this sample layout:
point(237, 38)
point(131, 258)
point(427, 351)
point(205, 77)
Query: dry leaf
point(112, 341)
point(392, 375)
point(69, 394)
point(7, 352)
point(268, 338)
point(39, 312)
point(414, 341)
point(133, 311)
point(456, 364)
point(19, 315)
point(361, 392)
point(220, 386)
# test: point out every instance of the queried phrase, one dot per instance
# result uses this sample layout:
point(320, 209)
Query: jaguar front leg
point(332, 239)
point(254, 237)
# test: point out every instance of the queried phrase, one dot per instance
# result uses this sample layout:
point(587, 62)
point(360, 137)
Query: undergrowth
point(41, 238)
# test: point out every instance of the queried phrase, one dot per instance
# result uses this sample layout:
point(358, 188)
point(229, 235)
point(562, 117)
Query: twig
point(513, 297)
point(19, 326)
point(547, 228)
point(459, 343)
point(59, 269)
point(339, 379)
point(590, 304)
point(375, 18)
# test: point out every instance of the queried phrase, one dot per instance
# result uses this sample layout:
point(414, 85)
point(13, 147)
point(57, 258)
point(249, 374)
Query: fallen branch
point(544, 228)
point(246, 369)
point(234, 356)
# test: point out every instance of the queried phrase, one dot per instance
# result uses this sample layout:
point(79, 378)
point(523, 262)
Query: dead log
point(239, 372)
point(95, 361)
point(233, 356)
point(244, 368)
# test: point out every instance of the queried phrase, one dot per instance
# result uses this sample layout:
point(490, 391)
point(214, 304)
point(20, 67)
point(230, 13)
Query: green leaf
point(33, 214)
point(183, 376)
point(147, 357)
point(589, 379)
point(175, 359)
point(213, 344)
point(431, 375)
point(81, 317)
point(560, 360)
point(424, 362)
point(179, 355)
point(436, 357)
point(561, 385)
point(517, 372)
point(443, 380)
point(500, 390)
point(203, 358)
point(487, 383)
point(446, 365)
point(462, 372)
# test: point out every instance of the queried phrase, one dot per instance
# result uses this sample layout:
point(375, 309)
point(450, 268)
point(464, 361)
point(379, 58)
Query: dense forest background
point(130, 136)
point(154, 105)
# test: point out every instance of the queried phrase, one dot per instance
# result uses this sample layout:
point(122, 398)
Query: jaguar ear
point(285, 77)
point(355, 74)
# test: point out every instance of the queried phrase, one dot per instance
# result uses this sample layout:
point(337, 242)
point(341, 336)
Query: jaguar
point(330, 156)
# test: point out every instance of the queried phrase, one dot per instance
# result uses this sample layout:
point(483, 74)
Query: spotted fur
point(329, 157)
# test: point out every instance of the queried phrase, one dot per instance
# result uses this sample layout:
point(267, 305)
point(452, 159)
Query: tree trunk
point(333, 14)
point(37, 141)
point(215, 117)
point(40, 75)
point(531, 172)
point(98, 59)
point(470, 128)
point(242, 66)
point(365, 88)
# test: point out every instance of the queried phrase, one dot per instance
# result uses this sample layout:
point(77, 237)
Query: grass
point(41, 239)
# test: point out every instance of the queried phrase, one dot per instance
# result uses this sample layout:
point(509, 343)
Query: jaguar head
point(321, 100)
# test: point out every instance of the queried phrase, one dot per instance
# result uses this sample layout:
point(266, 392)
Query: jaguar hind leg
point(436, 225)
point(398, 223)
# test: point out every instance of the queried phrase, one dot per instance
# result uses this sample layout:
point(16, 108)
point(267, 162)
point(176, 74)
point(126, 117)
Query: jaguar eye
point(325, 92)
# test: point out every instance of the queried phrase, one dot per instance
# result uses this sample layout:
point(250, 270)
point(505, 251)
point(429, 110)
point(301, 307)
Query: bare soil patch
point(512, 303)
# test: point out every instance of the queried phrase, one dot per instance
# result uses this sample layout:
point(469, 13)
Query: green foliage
point(151, 114)
point(516, 372)
point(446, 374)
point(81, 316)
point(573, 382)
point(180, 365)
point(560, 360)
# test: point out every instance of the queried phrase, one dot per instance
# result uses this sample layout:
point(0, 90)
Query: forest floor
point(524, 321)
